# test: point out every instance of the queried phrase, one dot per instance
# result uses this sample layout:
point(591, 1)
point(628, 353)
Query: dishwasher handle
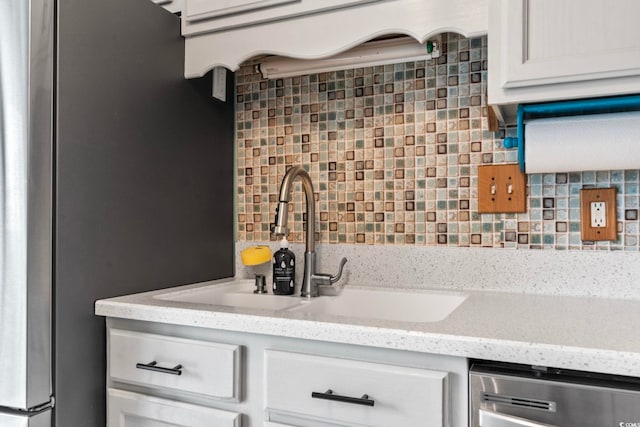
point(496, 419)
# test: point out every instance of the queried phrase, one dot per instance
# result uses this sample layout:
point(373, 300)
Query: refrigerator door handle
point(153, 366)
point(496, 419)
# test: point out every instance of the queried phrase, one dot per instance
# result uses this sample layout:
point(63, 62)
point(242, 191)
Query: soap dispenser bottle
point(284, 270)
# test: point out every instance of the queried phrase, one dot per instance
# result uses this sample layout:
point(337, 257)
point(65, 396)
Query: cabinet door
point(550, 41)
point(545, 50)
point(127, 409)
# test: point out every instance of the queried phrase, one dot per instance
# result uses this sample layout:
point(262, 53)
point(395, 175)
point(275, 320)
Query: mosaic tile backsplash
point(393, 152)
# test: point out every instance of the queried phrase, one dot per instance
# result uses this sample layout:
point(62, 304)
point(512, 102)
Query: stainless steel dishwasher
point(509, 395)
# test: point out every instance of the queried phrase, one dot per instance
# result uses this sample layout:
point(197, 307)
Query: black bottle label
point(284, 272)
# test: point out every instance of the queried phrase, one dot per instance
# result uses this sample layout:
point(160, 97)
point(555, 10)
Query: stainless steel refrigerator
point(116, 176)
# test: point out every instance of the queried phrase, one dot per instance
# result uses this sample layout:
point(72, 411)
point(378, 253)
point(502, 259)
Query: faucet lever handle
point(328, 279)
point(337, 277)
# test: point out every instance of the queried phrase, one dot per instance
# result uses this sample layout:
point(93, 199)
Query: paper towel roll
point(583, 143)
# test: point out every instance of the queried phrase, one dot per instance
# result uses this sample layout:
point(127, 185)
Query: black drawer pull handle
point(329, 395)
point(153, 366)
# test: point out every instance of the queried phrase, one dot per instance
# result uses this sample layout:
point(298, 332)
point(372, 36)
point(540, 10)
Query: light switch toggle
point(510, 188)
point(493, 189)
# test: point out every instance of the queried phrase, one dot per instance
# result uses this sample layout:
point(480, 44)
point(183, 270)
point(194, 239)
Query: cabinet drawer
point(395, 395)
point(127, 409)
point(200, 367)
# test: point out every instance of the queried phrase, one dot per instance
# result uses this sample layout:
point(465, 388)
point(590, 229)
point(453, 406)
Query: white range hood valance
point(311, 29)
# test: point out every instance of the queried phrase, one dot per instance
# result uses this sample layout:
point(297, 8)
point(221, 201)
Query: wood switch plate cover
point(501, 189)
point(596, 195)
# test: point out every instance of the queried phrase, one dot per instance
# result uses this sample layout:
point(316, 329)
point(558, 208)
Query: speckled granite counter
point(584, 333)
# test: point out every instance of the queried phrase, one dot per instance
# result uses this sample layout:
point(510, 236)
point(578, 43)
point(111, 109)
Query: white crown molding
point(328, 33)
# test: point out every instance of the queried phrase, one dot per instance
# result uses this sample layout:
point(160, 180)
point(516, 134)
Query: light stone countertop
point(583, 333)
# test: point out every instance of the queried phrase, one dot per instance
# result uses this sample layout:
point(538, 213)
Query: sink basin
point(353, 302)
point(238, 295)
point(402, 306)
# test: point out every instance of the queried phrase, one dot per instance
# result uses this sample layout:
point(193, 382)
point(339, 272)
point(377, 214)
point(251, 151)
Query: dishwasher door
point(507, 395)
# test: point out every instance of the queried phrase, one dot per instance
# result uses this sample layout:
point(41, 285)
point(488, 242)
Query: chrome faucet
point(311, 279)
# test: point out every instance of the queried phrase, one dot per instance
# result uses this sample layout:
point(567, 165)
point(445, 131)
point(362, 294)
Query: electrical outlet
point(598, 214)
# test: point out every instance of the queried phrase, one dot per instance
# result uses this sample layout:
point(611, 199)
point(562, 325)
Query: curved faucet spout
point(283, 201)
point(311, 279)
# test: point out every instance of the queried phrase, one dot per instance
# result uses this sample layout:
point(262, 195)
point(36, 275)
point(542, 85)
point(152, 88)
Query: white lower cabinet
point(167, 380)
point(202, 367)
point(352, 392)
point(128, 409)
point(163, 375)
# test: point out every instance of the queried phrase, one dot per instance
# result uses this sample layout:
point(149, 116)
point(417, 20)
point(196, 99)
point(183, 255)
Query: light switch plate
point(501, 189)
point(598, 214)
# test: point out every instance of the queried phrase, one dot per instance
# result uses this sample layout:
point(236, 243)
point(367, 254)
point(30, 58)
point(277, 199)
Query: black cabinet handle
point(329, 395)
point(153, 366)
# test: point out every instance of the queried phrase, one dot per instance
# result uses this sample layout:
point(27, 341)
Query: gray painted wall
point(144, 181)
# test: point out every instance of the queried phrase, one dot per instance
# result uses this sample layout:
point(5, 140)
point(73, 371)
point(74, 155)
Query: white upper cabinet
point(173, 6)
point(226, 33)
point(203, 9)
point(542, 50)
point(219, 15)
